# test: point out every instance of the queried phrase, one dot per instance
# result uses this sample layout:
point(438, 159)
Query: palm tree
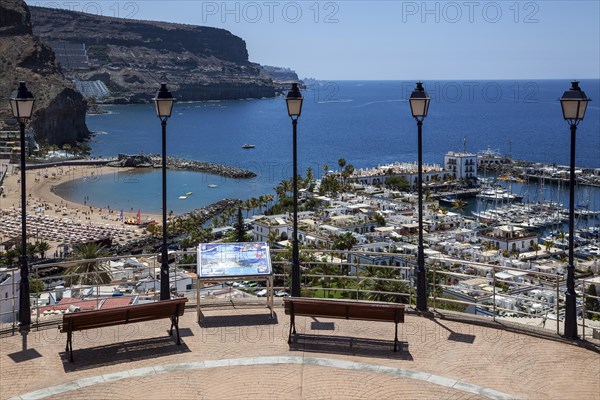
point(89, 271)
point(388, 281)
point(42, 247)
point(548, 244)
point(153, 230)
point(67, 147)
point(309, 176)
point(31, 249)
point(326, 272)
point(342, 163)
point(536, 247)
point(459, 204)
point(272, 237)
point(344, 242)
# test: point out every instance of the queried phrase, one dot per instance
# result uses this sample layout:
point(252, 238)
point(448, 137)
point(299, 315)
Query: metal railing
point(459, 285)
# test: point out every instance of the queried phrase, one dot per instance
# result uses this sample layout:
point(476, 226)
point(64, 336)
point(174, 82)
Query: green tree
point(36, 286)
point(309, 177)
point(329, 185)
point(385, 285)
point(535, 247)
point(42, 247)
point(344, 242)
point(240, 232)
point(89, 271)
point(154, 230)
point(592, 304)
point(380, 219)
point(459, 204)
point(67, 148)
point(397, 183)
point(272, 237)
point(326, 272)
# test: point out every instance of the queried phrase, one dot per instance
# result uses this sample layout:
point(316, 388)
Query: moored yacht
point(499, 195)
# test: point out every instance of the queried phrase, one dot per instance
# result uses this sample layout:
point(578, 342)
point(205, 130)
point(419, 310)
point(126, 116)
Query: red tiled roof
point(63, 304)
point(113, 302)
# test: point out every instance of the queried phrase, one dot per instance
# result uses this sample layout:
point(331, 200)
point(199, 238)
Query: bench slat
point(172, 309)
point(329, 308)
point(121, 315)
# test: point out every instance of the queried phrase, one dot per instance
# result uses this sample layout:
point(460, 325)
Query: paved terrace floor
point(238, 353)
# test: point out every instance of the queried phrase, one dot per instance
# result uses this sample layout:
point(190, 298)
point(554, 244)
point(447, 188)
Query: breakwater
point(203, 214)
point(209, 168)
point(176, 163)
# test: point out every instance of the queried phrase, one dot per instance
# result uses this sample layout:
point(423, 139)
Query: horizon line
point(453, 79)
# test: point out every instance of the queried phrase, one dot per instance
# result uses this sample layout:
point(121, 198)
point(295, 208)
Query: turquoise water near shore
point(368, 123)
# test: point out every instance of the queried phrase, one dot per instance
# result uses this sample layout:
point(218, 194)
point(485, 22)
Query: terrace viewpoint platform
point(241, 353)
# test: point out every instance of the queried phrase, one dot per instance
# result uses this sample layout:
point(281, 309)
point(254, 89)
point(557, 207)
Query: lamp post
point(21, 103)
point(419, 105)
point(573, 103)
point(164, 105)
point(294, 106)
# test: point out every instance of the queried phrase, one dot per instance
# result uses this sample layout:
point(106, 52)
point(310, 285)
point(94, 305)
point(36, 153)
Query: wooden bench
point(344, 309)
point(79, 321)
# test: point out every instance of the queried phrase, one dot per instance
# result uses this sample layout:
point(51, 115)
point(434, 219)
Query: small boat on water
point(447, 200)
point(188, 193)
point(499, 195)
point(182, 197)
point(212, 186)
point(248, 146)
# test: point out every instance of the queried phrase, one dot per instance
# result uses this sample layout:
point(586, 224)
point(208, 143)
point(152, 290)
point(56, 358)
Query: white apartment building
point(462, 165)
point(510, 238)
point(9, 294)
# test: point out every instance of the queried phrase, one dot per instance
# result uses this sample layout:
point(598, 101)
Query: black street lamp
point(21, 103)
point(573, 102)
point(164, 106)
point(419, 105)
point(294, 106)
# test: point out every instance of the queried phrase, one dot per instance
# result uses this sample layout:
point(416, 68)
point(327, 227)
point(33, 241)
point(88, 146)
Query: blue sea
point(366, 122)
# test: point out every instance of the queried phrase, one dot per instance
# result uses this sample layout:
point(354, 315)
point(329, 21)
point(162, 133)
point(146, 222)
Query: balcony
point(515, 331)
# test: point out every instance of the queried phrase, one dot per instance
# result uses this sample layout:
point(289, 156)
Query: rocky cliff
point(59, 112)
point(131, 57)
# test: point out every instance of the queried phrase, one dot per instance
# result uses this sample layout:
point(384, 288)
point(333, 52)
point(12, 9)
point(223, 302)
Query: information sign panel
point(233, 259)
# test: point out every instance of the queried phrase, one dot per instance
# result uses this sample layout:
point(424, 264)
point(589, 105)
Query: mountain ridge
point(132, 57)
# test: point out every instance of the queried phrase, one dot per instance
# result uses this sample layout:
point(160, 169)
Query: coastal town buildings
point(10, 145)
point(510, 238)
point(9, 294)
point(408, 171)
point(267, 228)
point(462, 164)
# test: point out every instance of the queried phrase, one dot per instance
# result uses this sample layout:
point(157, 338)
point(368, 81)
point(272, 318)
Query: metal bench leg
point(292, 328)
point(70, 345)
point(396, 339)
point(175, 323)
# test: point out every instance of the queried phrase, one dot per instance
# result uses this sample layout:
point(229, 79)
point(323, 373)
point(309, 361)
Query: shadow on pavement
point(25, 354)
point(456, 336)
point(217, 321)
point(350, 346)
point(134, 350)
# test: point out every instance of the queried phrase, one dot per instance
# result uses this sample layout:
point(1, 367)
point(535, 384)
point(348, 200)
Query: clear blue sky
point(395, 39)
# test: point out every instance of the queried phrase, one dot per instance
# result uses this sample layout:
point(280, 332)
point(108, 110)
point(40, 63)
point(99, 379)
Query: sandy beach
point(68, 219)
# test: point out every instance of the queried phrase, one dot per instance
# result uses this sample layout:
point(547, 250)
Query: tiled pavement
point(241, 353)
